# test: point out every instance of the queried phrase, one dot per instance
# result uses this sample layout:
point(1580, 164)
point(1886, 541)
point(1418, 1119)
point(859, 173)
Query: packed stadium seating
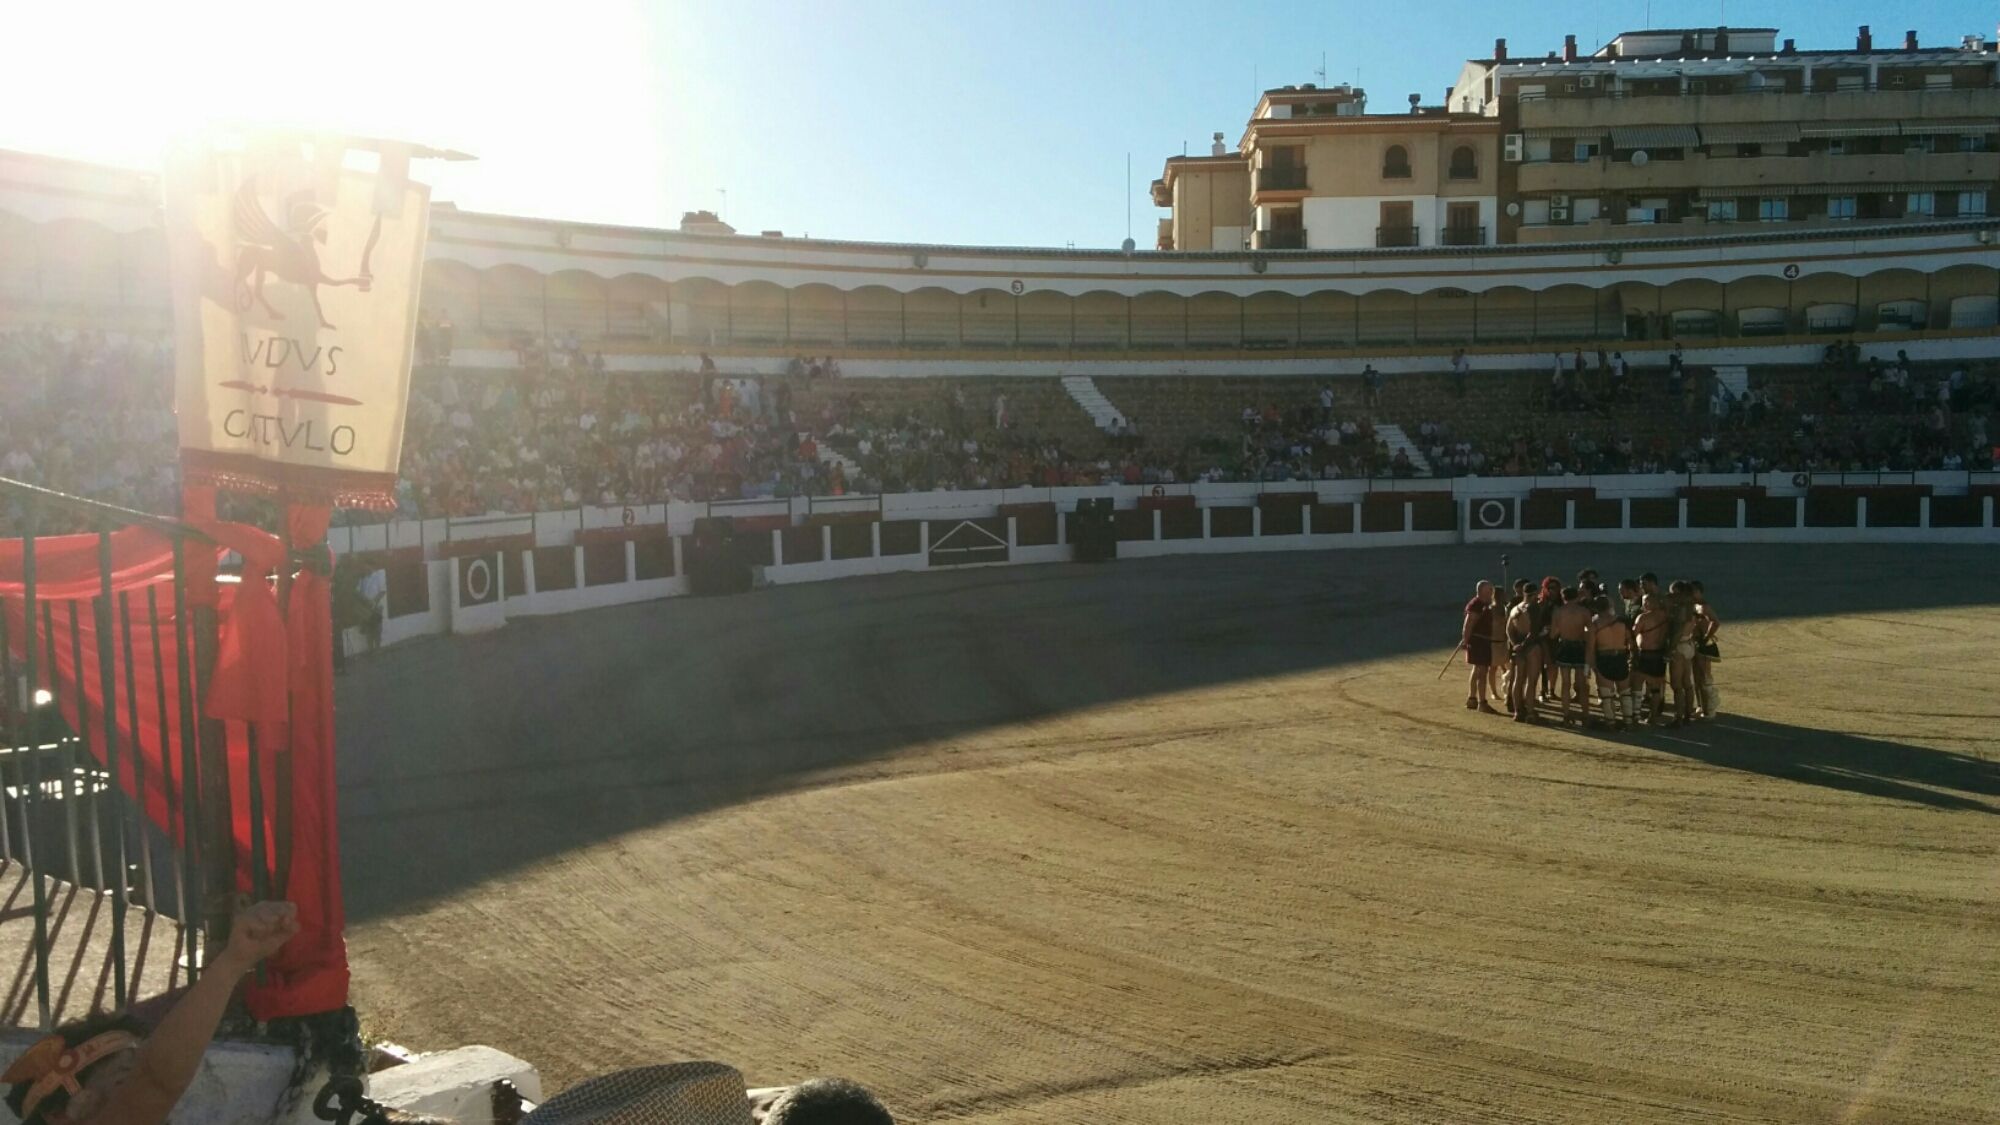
point(88, 412)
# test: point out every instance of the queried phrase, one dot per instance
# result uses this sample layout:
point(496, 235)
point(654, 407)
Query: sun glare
point(449, 75)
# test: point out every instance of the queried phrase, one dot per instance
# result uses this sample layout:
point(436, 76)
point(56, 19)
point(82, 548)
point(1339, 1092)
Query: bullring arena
point(1201, 839)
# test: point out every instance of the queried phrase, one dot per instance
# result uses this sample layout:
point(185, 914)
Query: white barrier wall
point(1481, 511)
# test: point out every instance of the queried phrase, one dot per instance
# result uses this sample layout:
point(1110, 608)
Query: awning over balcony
point(1851, 129)
point(1751, 133)
point(1655, 136)
point(1951, 125)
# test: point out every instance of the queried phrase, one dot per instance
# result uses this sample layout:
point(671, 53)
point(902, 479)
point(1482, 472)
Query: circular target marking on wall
point(1492, 513)
point(478, 580)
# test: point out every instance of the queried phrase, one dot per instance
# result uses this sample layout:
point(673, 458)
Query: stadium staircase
point(1393, 436)
point(1084, 393)
point(1736, 379)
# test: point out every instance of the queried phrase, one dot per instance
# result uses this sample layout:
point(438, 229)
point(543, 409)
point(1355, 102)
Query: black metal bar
point(73, 794)
point(138, 759)
point(190, 794)
point(175, 822)
point(57, 750)
point(32, 495)
point(28, 520)
point(107, 675)
point(8, 740)
point(259, 880)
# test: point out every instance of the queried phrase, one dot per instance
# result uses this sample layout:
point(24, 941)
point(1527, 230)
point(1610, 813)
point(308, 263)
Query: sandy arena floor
point(1202, 840)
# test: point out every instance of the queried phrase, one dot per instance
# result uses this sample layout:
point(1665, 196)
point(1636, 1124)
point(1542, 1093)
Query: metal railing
point(77, 774)
point(1282, 178)
point(1464, 236)
point(1396, 236)
point(1294, 239)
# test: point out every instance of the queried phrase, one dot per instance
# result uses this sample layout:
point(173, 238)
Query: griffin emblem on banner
point(289, 253)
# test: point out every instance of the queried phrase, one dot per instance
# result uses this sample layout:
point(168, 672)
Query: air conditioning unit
point(1587, 81)
point(1562, 201)
point(1515, 147)
point(1558, 214)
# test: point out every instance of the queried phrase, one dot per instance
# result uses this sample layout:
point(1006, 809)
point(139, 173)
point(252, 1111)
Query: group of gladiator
point(1549, 642)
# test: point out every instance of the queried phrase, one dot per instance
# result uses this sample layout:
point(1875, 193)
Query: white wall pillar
point(826, 542)
point(631, 561)
point(1013, 533)
point(1684, 514)
point(527, 572)
point(1624, 513)
point(1305, 520)
point(1257, 521)
point(1062, 528)
point(1204, 523)
point(1923, 511)
point(875, 540)
point(679, 569)
point(924, 537)
point(1156, 525)
point(1799, 513)
point(1987, 506)
point(1860, 511)
point(1354, 514)
point(1409, 517)
point(777, 547)
point(1742, 513)
point(1569, 515)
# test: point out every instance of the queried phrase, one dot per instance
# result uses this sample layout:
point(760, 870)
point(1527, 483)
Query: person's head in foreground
point(683, 1093)
point(827, 1101)
point(100, 1071)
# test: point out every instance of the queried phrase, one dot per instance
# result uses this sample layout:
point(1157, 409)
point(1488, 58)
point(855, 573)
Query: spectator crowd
point(90, 413)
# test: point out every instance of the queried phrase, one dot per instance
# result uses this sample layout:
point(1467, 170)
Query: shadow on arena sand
point(1922, 775)
point(464, 758)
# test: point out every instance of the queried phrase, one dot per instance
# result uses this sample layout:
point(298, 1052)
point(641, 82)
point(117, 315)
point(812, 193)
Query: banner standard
point(295, 276)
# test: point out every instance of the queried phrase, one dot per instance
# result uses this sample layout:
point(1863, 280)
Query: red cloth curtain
point(273, 669)
point(67, 576)
point(310, 974)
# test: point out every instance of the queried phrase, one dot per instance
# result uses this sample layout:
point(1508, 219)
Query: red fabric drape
point(310, 974)
point(67, 575)
point(273, 669)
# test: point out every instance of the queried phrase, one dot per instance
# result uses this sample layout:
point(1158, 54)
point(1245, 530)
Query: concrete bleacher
point(1495, 410)
point(1034, 406)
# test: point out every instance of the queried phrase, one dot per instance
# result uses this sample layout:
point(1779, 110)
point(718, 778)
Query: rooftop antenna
point(1321, 72)
point(1128, 203)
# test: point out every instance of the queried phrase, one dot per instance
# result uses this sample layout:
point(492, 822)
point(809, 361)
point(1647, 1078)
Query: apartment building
point(1662, 133)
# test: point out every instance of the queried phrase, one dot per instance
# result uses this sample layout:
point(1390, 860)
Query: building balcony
point(1781, 174)
point(1463, 236)
point(1279, 239)
point(1284, 178)
point(1397, 236)
point(1278, 185)
point(1744, 108)
point(1694, 226)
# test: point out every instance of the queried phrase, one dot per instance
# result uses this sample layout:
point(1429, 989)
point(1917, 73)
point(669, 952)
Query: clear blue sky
point(869, 119)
